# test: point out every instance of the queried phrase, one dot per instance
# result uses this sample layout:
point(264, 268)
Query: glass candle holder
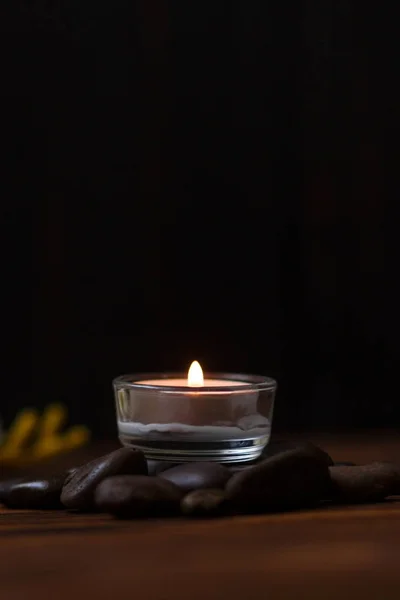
point(227, 420)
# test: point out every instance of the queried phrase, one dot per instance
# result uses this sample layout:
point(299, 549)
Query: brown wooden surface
point(341, 552)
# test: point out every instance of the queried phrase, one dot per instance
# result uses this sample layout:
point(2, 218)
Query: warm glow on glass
point(195, 375)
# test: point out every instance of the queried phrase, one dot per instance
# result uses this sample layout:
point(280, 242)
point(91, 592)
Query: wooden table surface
point(340, 552)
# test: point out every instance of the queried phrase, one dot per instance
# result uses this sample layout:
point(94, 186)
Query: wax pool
point(181, 382)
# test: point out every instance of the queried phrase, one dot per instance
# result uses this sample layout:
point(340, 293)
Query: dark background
point(199, 180)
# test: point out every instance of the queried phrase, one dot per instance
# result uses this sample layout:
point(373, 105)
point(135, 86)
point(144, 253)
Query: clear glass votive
point(227, 420)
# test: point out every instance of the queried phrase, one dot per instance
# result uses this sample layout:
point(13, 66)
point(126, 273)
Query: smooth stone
point(79, 488)
point(396, 484)
point(197, 475)
point(204, 503)
point(38, 494)
point(158, 466)
point(292, 479)
point(6, 485)
point(279, 446)
point(365, 483)
point(243, 466)
point(134, 496)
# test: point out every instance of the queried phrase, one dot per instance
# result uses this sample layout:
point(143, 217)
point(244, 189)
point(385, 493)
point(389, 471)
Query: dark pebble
point(291, 479)
point(39, 494)
point(6, 485)
point(280, 446)
point(158, 466)
point(197, 475)
point(237, 467)
point(277, 447)
point(78, 490)
point(366, 483)
point(204, 503)
point(134, 496)
point(396, 484)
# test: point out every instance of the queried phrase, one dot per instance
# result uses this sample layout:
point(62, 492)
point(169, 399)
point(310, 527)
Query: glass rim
point(249, 382)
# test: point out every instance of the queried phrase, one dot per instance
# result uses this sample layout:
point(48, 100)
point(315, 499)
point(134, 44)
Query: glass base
point(228, 451)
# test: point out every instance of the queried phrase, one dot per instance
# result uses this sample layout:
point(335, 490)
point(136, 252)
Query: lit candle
point(217, 418)
point(195, 379)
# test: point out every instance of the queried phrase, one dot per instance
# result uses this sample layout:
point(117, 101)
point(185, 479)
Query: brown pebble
point(204, 503)
point(6, 485)
point(366, 483)
point(35, 494)
point(158, 466)
point(197, 475)
point(277, 447)
point(292, 479)
point(135, 496)
point(78, 490)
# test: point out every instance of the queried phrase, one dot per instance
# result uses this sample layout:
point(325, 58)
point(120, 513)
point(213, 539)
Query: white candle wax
point(195, 379)
point(181, 382)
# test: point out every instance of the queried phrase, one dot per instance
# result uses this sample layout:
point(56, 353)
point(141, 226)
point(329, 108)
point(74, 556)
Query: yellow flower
point(32, 437)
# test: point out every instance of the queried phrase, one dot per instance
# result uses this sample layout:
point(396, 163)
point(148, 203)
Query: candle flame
point(195, 375)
